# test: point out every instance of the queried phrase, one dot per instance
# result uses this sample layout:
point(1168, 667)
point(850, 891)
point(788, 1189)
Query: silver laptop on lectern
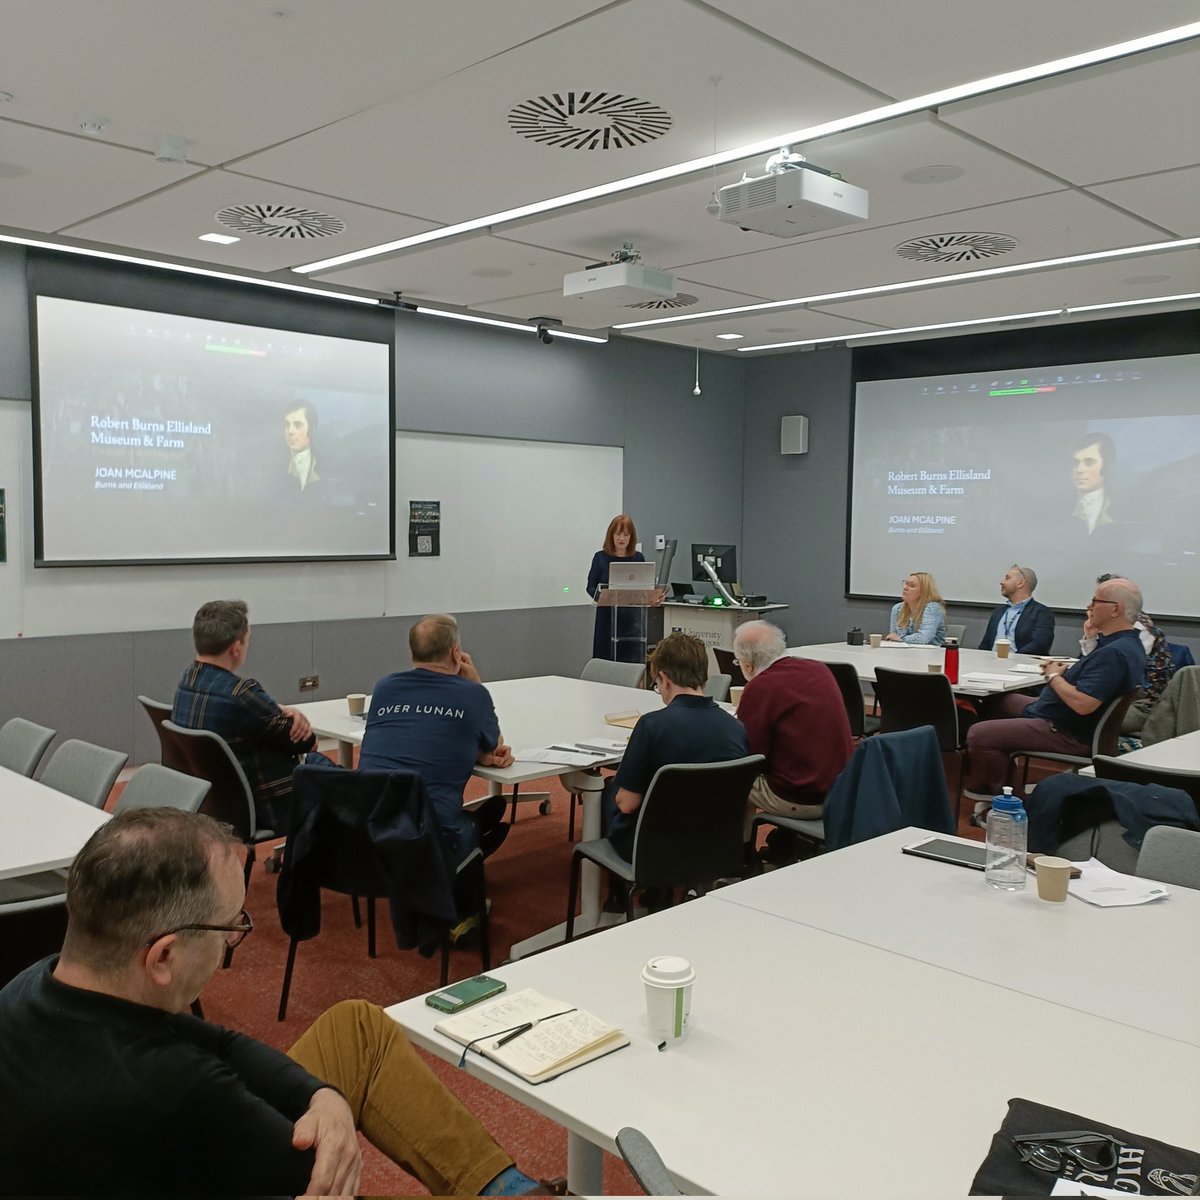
point(629, 577)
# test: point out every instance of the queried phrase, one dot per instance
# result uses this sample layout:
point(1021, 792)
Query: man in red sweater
point(794, 715)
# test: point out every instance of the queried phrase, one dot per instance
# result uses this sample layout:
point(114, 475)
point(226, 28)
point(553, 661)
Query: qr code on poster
point(424, 544)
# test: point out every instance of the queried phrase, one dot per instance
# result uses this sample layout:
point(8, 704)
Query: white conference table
point(899, 656)
point(948, 917)
point(818, 1065)
point(41, 828)
point(537, 712)
point(1175, 754)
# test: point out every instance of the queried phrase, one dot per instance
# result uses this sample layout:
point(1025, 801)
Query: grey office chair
point(597, 670)
point(84, 771)
point(22, 744)
point(956, 632)
point(644, 1163)
point(153, 786)
point(1170, 855)
point(1104, 741)
point(716, 687)
point(623, 674)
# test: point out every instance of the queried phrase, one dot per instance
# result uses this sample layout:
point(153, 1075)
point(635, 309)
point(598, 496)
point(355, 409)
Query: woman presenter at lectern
point(620, 545)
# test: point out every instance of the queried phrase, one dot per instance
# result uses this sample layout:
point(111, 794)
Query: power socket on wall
point(309, 683)
point(660, 541)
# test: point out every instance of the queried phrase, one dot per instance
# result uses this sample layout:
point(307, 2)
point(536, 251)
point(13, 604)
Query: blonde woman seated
point(920, 617)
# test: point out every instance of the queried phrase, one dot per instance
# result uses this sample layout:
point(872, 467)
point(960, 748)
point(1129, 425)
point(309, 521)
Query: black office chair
point(908, 700)
point(848, 683)
point(728, 665)
point(374, 834)
point(1131, 772)
point(1104, 741)
point(689, 831)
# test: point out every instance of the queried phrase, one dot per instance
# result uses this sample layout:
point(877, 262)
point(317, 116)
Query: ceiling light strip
point(472, 319)
point(853, 337)
point(1078, 308)
point(882, 289)
point(812, 133)
point(110, 256)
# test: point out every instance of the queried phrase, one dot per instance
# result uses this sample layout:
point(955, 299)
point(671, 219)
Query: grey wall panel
point(14, 326)
point(77, 685)
point(795, 504)
point(683, 457)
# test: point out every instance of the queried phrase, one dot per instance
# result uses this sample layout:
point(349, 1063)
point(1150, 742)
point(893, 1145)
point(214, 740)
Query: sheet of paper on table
point(558, 758)
point(1106, 888)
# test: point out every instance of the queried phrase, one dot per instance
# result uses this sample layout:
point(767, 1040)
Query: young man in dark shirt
point(99, 1056)
point(689, 729)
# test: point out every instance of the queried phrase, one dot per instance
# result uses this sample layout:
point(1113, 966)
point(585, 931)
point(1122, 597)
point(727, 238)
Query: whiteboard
point(520, 522)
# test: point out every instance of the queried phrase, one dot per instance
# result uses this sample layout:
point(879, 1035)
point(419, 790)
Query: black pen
point(516, 1033)
point(580, 750)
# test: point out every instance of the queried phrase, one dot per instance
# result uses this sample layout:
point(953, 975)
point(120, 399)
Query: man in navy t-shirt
point(438, 720)
point(690, 729)
point(1065, 713)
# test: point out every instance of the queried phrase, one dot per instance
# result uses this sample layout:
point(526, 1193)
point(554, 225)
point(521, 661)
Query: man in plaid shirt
point(265, 737)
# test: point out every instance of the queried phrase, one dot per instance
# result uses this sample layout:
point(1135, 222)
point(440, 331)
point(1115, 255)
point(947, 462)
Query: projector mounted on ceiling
point(622, 281)
point(792, 199)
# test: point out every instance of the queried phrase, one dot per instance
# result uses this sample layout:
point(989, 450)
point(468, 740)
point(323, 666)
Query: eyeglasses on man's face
point(1100, 600)
point(1050, 1152)
point(235, 935)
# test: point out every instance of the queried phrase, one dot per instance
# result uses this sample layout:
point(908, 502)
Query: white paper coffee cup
point(735, 695)
point(876, 640)
point(1003, 647)
point(356, 702)
point(668, 981)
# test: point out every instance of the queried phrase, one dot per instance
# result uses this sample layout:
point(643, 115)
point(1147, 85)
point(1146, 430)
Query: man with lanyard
point(1028, 625)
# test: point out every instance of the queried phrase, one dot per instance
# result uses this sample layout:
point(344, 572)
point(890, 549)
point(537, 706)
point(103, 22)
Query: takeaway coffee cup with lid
point(1003, 647)
point(668, 981)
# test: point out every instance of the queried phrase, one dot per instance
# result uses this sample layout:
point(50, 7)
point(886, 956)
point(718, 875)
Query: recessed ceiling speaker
point(793, 435)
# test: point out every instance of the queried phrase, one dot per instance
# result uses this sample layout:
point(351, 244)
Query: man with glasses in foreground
point(99, 1056)
point(1064, 715)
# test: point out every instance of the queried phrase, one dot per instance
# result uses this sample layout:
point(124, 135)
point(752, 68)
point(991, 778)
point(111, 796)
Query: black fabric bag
point(1142, 1165)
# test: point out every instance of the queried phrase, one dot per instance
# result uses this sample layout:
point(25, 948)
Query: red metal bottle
point(952, 659)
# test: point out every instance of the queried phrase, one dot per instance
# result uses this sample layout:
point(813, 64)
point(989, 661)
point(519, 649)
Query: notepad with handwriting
point(559, 1039)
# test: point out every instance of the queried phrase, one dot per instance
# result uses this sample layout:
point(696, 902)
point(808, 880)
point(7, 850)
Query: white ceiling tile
point(911, 49)
point(1140, 115)
point(170, 223)
point(476, 271)
point(50, 180)
point(758, 330)
point(1172, 273)
point(1050, 226)
point(232, 78)
point(1170, 199)
point(446, 152)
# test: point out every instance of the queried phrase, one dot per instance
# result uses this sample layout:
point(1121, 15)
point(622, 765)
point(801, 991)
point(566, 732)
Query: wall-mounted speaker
point(793, 435)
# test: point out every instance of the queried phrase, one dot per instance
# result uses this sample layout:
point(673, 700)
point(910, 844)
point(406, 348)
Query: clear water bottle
point(1007, 839)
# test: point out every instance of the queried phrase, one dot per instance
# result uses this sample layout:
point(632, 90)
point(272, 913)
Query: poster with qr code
point(424, 528)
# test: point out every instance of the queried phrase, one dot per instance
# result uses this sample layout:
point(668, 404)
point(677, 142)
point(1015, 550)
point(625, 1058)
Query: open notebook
point(533, 1036)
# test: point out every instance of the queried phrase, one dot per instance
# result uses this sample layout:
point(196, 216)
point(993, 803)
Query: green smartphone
point(461, 995)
